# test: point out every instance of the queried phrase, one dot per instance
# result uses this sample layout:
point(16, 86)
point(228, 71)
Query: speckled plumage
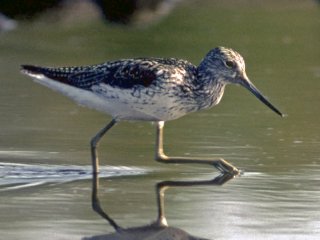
point(151, 89)
point(161, 89)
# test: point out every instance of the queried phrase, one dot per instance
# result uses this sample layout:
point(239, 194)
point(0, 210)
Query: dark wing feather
point(57, 74)
point(123, 74)
point(76, 76)
point(87, 79)
point(130, 74)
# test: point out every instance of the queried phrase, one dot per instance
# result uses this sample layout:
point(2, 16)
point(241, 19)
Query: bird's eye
point(230, 64)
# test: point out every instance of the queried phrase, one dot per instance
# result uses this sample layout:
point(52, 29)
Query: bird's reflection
point(159, 229)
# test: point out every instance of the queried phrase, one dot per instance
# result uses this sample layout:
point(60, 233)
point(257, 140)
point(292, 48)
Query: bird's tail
point(56, 74)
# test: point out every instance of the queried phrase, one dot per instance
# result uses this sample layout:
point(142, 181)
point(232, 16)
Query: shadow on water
point(158, 229)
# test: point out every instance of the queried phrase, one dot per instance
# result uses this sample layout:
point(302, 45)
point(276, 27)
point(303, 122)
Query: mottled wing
point(122, 74)
point(128, 74)
point(80, 77)
point(88, 78)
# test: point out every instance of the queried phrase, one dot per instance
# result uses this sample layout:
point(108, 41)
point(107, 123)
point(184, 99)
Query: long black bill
point(244, 81)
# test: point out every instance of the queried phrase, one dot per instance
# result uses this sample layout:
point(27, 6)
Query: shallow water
point(45, 177)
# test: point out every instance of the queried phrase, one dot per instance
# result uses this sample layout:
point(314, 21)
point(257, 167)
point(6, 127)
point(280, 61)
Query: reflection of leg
point(161, 187)
point(96, 203)
point(94, 142)
point(220, 164)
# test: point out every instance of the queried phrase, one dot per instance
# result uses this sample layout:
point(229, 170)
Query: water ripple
point(17, 176)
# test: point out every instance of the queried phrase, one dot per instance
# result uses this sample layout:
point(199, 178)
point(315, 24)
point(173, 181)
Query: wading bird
point(151, 89)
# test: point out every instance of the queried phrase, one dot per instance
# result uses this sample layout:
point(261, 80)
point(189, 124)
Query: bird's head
point(226, 66)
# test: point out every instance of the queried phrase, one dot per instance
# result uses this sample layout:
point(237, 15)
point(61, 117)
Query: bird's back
point(124, 73)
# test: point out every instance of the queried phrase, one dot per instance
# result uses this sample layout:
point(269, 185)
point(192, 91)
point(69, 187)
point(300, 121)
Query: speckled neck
point(210, 88)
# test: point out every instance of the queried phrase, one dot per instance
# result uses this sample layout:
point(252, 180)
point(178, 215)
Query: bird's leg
point(95, 179)
point(94, 143)
point(160, 156)
point(221, 164)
